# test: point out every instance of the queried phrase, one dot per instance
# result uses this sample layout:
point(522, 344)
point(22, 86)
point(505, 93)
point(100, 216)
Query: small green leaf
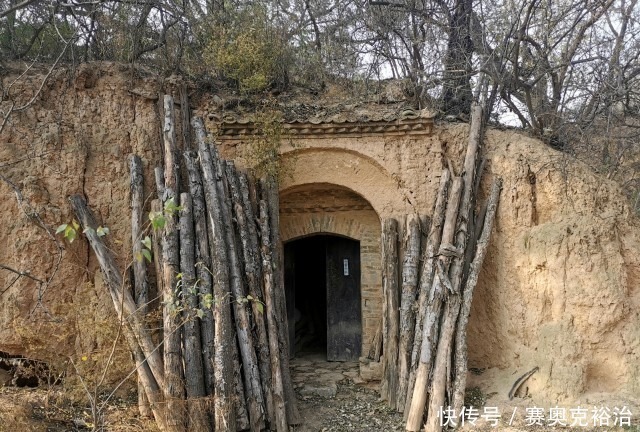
point(102, 231)
point(249, 297)
point(61, 228)
point(179, 276)
point(260, 307)
point(146, 253)
point(75, 224)
point(200, 313)
point(70, 234)
point(146, 242)
point(158, 220)
point(87, 230)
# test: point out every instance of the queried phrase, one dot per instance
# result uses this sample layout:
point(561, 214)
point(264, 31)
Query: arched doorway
point(322, 282)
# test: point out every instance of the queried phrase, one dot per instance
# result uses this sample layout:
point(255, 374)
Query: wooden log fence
point(212, 253)
point(424, 349)
point(209, 248)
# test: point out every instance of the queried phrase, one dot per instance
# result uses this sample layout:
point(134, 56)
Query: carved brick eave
point(417, 126)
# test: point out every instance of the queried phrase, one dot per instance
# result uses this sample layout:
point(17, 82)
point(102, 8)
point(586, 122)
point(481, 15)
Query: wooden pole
point(391, 298)
point(272, 324)
point(460, 364)
point(434, 307)
point(141, 282)
point(411, 246)
point(173, 369)
point(426, 279)
point(203, 269)
point(270, 192)
point(224, 411)
point(194, 376)
point(244, 218)
point(255, 401)
point(134, 331)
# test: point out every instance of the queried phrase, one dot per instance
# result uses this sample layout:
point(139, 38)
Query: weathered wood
point(460, 359)
point(411, 246)
point(141, 286)
point(426, 279)
point(141, 282)
point(159, 176)
point(251, 269)
point(174, 391)
point(270, 190)
point(224, 411)
point(255, 401)
point(194, 376)
point(203, 266)
point(185, 118)
point(391, 296)
point(136, 334)
point(156, 244)
point(376, 344)
point(240, 401)
point(441, 361)
point(433, 310)
point(279, 403)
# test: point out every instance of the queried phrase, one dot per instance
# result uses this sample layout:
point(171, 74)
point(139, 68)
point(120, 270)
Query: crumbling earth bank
point(560, 287)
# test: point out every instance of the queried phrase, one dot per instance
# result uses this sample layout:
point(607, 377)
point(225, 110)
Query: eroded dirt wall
point(560, 288)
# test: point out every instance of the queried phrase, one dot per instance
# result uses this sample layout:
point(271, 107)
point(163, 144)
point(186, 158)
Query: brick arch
point(322, 223)
point(327, 208)
point(348, 169)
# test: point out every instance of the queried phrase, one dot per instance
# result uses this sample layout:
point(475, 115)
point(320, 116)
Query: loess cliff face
point(560, 288)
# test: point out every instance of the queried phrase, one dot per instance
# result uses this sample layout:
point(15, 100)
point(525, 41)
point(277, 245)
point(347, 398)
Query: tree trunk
point(255, 401)
point(411, 246)
point(434, 307)
point(203, 269)
point(391, 297)
point(248, 238)
point(270, 190)
point(242, 416)
point(426, 279)
point(194, 377)
point(135, 333)
point(224, 411)
point(173, 368)
point(460, 364)
point(272, 324)
point(141, 282)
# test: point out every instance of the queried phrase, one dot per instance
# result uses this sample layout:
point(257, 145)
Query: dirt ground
point(331, 398)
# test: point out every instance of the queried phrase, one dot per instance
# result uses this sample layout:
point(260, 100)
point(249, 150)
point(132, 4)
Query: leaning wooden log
point(240, 400)
point(255, 401)
point(171, 295)
point(136, 334)
point(203, 266)
point(433, 311)
point(194, 371)
point(460, 359)
point(156, 245)
point(411, 246)
point(141, 282)
point(391, 295)
point(243, 215)
point(464, 227)
point(224, 411)
point(270, 192)
point(376, 344)
point(280, 413)
point(426, 279)
point(442, 361)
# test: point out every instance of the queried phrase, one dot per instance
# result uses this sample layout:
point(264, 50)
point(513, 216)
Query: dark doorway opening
point(322, 282)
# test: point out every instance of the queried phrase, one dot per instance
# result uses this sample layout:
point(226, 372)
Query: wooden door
point(344, 325)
